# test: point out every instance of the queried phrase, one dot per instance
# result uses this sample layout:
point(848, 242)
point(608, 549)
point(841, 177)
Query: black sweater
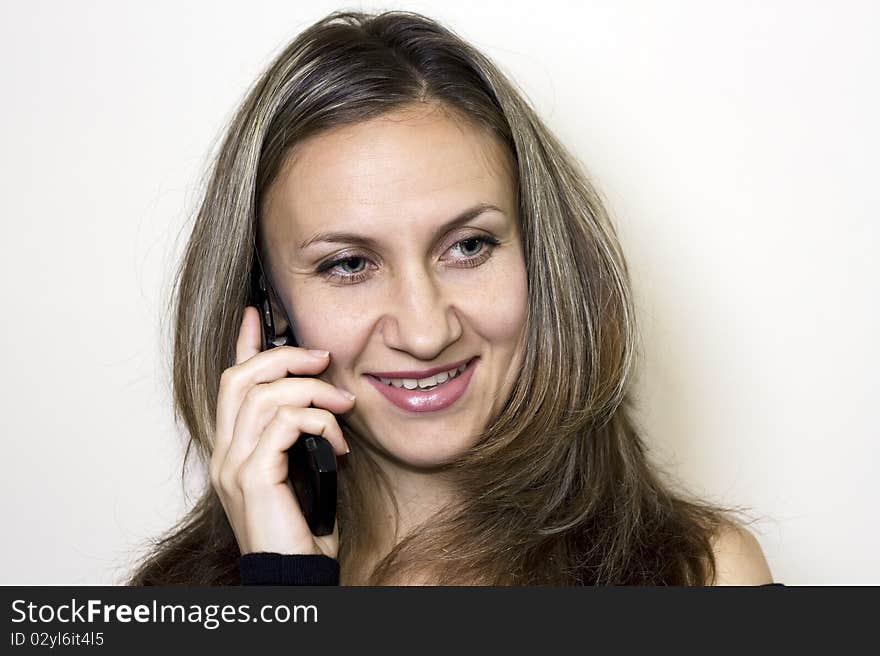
point(288, 569)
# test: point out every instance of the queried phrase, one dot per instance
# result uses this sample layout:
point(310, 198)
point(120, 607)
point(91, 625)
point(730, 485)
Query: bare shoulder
point(739, 559)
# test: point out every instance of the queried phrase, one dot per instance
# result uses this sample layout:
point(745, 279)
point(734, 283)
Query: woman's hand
point(260, 415)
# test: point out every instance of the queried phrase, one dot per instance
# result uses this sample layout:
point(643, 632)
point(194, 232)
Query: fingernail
point(351, 396)
point(347, 448)
point(319, 354)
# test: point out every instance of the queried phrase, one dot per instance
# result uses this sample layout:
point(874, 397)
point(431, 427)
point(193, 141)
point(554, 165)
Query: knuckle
point(255, 397)
point(247, 478)
point(289, 414)
point(325, 417)
point(227, 481)
point(230, 377)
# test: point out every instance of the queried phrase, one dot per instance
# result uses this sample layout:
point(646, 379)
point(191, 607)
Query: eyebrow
point(368, 242)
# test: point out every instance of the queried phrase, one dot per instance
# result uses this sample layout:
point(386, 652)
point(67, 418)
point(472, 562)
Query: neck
point(418, 494)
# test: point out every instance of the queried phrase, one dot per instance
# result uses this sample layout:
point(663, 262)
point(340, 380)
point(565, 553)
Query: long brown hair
point(559, 489)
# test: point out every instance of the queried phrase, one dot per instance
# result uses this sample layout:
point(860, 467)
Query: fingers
point(263, 467)
point(264, 367)
point(250, 337)
point(262, 402)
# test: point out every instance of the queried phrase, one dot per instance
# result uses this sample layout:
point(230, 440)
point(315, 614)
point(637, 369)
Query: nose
point(421, 318)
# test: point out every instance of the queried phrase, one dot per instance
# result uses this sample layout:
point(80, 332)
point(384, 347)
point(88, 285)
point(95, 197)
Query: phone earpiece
point(262, 298)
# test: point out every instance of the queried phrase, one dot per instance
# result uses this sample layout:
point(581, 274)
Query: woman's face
point(371, 265)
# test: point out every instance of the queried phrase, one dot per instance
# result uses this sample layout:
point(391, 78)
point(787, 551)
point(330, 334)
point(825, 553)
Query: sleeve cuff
point(266, 568)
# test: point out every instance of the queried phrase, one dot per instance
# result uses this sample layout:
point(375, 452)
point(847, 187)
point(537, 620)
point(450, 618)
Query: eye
point(347, 270)
point(475, 250)
point(471, 246)
point(352, 269)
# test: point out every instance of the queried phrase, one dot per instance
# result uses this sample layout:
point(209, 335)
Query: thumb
point(250, 337)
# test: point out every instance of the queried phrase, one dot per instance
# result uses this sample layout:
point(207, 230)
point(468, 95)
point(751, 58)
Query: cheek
point(321, 321)
point(497, 308)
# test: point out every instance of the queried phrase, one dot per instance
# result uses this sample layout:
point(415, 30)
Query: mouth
point(429, 394)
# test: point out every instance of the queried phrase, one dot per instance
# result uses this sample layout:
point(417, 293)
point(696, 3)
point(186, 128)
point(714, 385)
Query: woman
point(418, 222)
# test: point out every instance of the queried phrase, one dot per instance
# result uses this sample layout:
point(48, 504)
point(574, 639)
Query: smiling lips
point(428, 394)
point(419, 374)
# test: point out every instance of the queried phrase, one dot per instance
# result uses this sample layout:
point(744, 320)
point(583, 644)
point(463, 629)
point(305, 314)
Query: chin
point(424, 451)
point(427, 458)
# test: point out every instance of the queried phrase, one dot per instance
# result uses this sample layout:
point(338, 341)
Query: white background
point(736, 144)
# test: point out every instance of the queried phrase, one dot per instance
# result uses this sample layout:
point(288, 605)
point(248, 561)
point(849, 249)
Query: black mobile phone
point(311, 463)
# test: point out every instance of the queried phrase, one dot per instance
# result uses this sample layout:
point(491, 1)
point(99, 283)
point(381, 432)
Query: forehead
point(410, 166)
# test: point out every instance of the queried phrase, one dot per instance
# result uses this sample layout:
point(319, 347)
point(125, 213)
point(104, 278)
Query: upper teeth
point(436, 379)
